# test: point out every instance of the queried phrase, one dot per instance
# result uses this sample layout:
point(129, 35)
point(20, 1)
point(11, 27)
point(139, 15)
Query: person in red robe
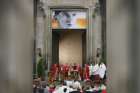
point(86, 72)
point(52, 73)
point(79, 71)
point(70, 70)
point(104, 91)
point(55, 71)
point(75, 71)
point(61, 68)
point(65, 70)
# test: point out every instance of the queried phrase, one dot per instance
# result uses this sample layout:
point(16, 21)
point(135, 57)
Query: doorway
point(69, 46)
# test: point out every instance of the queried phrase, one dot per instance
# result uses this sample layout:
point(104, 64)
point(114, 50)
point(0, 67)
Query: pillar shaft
point(16, 46)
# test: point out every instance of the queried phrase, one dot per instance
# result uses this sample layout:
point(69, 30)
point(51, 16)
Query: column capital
point(97, 10)
point(41, 7)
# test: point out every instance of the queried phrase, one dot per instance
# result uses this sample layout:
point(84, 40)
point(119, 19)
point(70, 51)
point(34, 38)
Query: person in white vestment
point(63, 89)
point(77, 86)
point(96, 69)
point(91, 71)
point(69, 82)
point(96, 76)
point(102, 70)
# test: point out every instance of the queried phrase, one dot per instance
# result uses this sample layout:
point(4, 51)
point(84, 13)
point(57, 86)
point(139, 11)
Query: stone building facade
point(95, 34)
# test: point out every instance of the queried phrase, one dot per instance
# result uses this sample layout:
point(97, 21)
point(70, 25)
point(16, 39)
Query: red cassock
point(86, 75)
point(64, 68)
point(104, 91)
point(70, 69)
point(75, 68)
point(79, 70)
point(61, 71)
point(67, 68)
point(78, 67)
point(60, 68)
point(54, 71)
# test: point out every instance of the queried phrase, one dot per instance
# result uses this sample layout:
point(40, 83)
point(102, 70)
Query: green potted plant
point(41, 68)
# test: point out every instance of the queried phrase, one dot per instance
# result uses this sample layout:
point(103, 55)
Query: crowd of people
point(73, 79)
point(89, 71)
point(69, 86)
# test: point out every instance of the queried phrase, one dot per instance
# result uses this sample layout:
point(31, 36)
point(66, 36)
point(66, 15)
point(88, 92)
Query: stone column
point(88, 36)
point(16, 46)
point(89, 32)
point(123, 47)
point(39, 31)
point(40, 26)
point(97, 27)
point(48, 36)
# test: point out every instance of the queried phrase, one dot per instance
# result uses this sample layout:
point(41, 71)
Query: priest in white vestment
point(102, 70)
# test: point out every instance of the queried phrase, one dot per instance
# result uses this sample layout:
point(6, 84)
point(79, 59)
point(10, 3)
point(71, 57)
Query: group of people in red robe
point(62, 72)
point(76, 71)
